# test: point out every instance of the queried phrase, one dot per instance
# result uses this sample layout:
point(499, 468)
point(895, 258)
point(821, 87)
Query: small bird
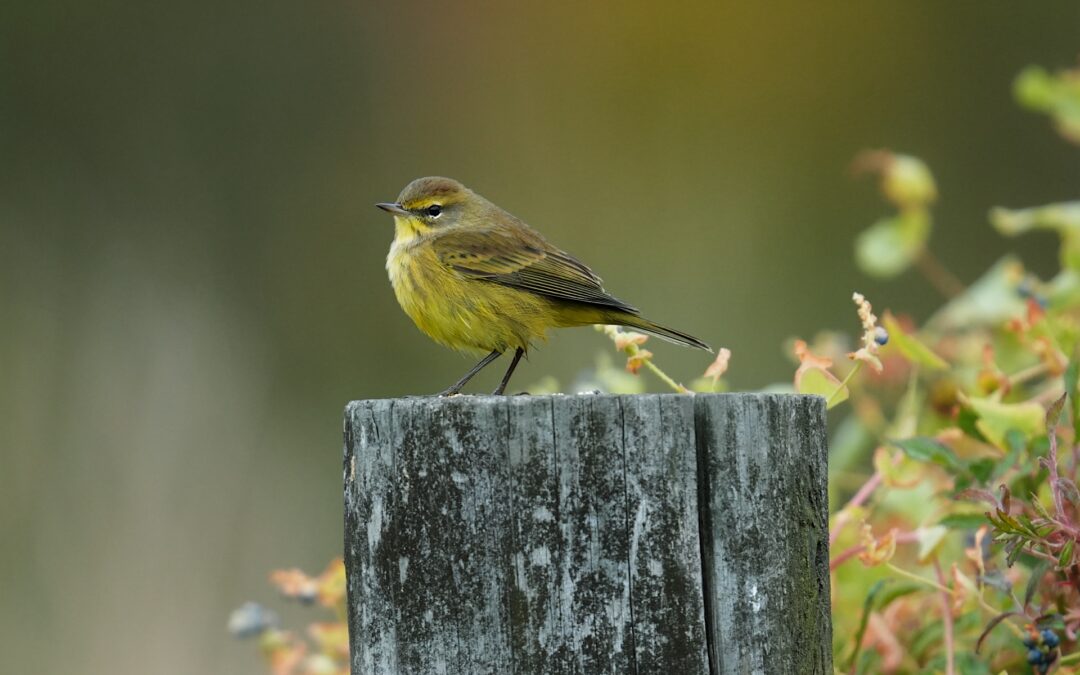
point(475, 278)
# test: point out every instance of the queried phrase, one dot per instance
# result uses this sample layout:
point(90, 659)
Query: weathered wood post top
point(588, 534)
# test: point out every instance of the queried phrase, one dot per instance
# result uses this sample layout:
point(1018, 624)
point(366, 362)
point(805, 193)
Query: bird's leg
point(456, 387)
point(509, 372)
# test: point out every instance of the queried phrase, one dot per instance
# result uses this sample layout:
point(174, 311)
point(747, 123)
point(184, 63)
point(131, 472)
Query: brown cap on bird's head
point(432, 192)
point(424, 191)
point(431, 201)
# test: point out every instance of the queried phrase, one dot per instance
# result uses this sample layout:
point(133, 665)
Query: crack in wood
point(587, 534)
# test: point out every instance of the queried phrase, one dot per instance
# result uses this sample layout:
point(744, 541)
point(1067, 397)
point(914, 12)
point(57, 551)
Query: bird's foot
point(502, 392)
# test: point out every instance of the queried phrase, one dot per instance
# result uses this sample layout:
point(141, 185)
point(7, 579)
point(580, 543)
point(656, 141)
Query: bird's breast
point(459, 312)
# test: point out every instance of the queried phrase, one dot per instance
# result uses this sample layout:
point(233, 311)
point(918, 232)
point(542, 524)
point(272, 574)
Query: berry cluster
point(1042, 649)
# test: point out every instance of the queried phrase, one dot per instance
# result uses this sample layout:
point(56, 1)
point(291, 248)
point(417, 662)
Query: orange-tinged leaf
point(331, 585)
point(624, 339)
point(719, 366)
point(331, 637)
point(822, 383)
point(877, 551)
point(293, 583)
point(283, 651)
point(813, 376)
point(867, 356)
point(637, 360)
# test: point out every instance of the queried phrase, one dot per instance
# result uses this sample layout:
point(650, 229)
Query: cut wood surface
point(587, 534)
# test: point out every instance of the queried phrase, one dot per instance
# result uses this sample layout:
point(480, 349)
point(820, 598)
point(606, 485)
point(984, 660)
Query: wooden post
point(588, 534)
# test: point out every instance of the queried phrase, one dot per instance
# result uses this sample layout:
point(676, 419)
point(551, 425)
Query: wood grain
point(587, 534)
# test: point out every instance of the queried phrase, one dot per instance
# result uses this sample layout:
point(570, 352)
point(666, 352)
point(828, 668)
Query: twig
point(987, 607)
point(1052, 460)
point(840, 387)
point(664, 376)
point(947, 620)
point(938, 275)
point(1030, 373)
point(915, 577)
point(856, 501)
point(840, 559)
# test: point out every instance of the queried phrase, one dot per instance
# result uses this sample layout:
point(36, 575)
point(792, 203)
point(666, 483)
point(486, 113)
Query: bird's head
point(429, 203)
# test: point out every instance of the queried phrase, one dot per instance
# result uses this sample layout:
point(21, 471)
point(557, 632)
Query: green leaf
point(996, 579)
point(1014, 548)
point(963, 521)
point(1034, 579)
point(969, 664)
point(990, 626)
point(929, 637)
point(929, 539)
point(1065, 557)
point(1072, 376)
point(989, 301)
point(1034, 88)
point(982, 469)
point(889, 246)
point(896, 591)
point(1038, 506)
point(1063, 218)
point(924, 449)
point(913, 350)
point(996, 419)
point(1028, 525)
point(1068, 490)
point(908, 183)
point(1053, 413)
point(822, 383)
point(966, 419)
point(1016, 444)
point(868, 606)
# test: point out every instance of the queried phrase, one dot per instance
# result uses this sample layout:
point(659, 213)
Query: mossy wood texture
point(587, 534)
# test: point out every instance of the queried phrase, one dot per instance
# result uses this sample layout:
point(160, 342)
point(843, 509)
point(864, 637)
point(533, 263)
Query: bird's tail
point(669, 334)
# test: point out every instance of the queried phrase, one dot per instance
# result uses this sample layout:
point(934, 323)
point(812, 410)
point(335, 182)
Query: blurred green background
point(191, 270)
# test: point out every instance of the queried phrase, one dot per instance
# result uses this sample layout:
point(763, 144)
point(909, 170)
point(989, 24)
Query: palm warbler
point(475, 278)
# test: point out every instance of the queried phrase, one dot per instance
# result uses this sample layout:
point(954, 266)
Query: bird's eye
point(434, 210)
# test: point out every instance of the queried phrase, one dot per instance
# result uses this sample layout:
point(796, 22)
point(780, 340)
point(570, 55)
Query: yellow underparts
point(471, 314)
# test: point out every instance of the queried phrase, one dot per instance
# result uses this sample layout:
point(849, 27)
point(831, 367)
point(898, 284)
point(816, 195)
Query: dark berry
point(1030, 642)
point(1034, 656)
point(1050, 638)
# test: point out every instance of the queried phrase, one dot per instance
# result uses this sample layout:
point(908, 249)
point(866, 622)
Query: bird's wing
point(522, 259)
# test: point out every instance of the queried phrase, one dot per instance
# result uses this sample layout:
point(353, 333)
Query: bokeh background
point(191, 270)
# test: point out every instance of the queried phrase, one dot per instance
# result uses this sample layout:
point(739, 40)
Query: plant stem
point(1021, 376)
point(861, 496)
point(915, 577)
point(1052, 460)
point(632, 350)
point(993, 611)
point(843, 384)
point(664, 376)
point(947, 620)
point(938, 275)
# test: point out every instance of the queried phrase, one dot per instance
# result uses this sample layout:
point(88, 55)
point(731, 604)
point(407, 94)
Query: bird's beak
point(393, 208)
